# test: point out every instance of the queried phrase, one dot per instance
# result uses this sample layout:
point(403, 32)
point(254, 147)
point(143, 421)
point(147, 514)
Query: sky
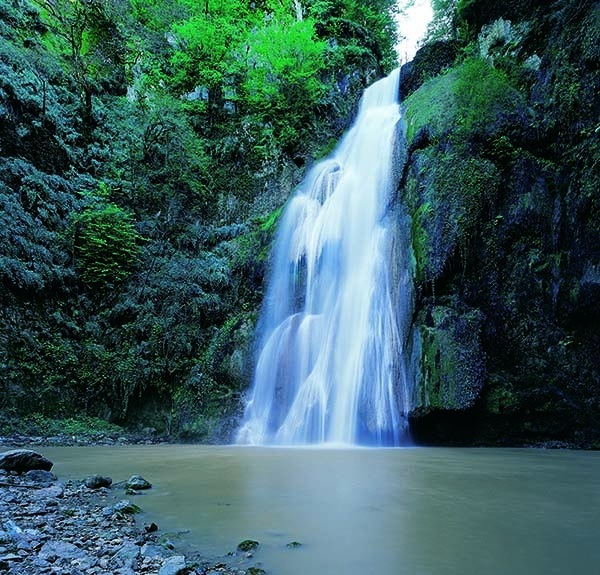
point(412, 25)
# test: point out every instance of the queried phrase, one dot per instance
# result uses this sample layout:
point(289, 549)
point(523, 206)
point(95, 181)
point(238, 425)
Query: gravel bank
point(48, 527)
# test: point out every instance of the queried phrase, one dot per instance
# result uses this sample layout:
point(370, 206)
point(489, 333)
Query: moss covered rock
point(501, 183)
point(451, 362)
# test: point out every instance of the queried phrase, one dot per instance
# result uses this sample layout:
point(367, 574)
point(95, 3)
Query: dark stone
point(477, 13)
point(248, 545)
point(23, 460)
point(138, 483)
point(97, 481)
point(151, 528)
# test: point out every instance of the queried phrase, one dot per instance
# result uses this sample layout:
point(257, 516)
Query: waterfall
point(332, 361)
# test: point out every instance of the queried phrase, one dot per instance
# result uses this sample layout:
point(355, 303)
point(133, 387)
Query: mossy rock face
point(501, 184)
point(445, 191)
point(468, 102)
point(451, 362)
point(473, 14)
point(429, 61)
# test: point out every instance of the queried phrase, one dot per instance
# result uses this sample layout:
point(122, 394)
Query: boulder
point(137, 483)
point(55, 490)
point(97, 481)
point(53, 550)
point(248, 545)
point(126, 555)
point(23, 460)
point(45, 478)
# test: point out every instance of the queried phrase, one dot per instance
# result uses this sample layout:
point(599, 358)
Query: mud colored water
point(370, 511)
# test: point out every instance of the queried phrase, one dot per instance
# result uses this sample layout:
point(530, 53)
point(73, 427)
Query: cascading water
point(332, 364)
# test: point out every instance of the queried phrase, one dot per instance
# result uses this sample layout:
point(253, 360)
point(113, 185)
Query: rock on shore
point(21, 460)
point(52, 528)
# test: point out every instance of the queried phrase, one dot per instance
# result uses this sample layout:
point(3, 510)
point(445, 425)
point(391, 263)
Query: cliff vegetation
point(146, 149)
point(502, 109)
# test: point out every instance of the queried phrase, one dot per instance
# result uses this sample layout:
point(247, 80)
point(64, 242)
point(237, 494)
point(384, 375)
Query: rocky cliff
point(502, 183)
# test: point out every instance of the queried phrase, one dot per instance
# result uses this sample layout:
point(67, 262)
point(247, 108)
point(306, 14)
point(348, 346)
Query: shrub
point(106, 244)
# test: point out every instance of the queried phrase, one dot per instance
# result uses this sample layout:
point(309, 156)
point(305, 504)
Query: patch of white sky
point(413, 18)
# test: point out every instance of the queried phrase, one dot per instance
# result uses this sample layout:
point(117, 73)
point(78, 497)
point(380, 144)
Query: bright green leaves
point(206, 42)
point(106, 244)
point(283, 61)
point(282, 82)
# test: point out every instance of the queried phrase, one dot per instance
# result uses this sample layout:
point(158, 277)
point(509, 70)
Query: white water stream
point(332, 361)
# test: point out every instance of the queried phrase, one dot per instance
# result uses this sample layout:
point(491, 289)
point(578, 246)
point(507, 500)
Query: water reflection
point(384, 511)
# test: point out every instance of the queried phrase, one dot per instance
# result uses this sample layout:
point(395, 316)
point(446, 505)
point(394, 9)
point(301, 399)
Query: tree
point(91, 41)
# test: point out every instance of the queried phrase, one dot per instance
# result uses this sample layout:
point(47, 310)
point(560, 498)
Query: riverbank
point(89, 527)
point(82, 439)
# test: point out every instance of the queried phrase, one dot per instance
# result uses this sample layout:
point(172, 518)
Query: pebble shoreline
point(48, 527)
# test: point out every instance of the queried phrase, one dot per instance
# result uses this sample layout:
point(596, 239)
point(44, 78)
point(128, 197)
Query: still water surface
point(421, 511)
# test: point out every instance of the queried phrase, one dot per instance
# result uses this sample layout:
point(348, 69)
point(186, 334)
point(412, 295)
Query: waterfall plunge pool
point(415, 511)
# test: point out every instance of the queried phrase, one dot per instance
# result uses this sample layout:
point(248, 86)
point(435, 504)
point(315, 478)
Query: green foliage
point(106, 244)
point(33, 215)
point(443, 23)
point(206, 43)
point(37, 424)
point(145, 152)
point(282, 83)
point(465, 102)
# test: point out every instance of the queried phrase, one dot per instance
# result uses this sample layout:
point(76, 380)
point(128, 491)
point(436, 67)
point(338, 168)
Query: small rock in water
point(150, 528)
point(294, 545)
point(248, 545)
point(137, 483)
point(97, 481)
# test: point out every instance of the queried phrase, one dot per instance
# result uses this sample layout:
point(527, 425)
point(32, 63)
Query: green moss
point(269, 223)
point(500, 397)
point(420, 238)
point(429, 106)
point(452, 363)
point(446, 191)
point(248, 545)
point(468, 100)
